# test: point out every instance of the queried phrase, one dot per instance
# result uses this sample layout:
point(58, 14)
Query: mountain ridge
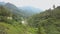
point(22, 11)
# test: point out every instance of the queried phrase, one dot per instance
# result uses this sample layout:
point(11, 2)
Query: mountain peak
point(9, 4)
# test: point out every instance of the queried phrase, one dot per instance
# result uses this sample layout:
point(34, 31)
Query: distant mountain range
point(22, 11)
point(28, 10)
point(2, 3)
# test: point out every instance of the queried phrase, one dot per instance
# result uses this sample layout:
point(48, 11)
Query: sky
point(41, 4)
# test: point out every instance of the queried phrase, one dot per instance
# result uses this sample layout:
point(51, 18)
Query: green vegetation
point(47, 22)
point(10, 23)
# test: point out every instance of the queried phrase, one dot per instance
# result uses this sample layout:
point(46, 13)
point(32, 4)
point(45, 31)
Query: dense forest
point(16, 21)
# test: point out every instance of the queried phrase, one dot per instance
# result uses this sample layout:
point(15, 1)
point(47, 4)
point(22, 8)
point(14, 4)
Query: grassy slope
point(9, 29)
point(16, 29)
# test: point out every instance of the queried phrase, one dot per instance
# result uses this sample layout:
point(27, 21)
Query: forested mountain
point(10, 23)
point(21, 11)
point(10, 20)
point(47, 22)
point(13, 9)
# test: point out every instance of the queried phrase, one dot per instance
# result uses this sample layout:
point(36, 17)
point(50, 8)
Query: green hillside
point(47, 22)
point(10, 23)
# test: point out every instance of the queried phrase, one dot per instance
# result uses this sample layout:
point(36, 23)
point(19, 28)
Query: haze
point(41, 4)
